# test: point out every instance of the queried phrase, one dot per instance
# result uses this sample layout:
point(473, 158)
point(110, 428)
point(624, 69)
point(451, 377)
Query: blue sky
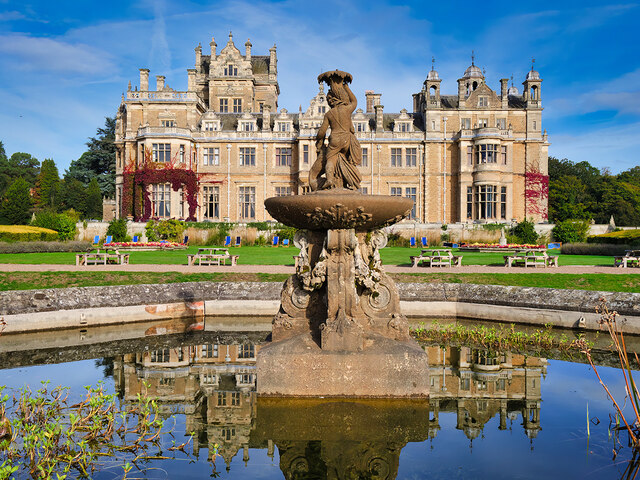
point(64, 64)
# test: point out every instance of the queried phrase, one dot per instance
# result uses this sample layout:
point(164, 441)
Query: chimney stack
point(247, 47)
point(504, 92)
point(144, 79)
point(191, 79)
point(159, 83)
point(379, 118)
point(198, 58)
point(214, 48)
point(373, 99)
point(273, 60)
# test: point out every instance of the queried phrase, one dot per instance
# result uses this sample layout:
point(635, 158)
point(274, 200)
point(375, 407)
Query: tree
point(72, 194)
point(17, 203)
point(568, 199)
point(99, 161)
point(93, 204)
point(19, 165)
point(47, 184)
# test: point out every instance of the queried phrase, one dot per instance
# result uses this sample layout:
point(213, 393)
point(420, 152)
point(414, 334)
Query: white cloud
point(23, 52)
point(10, 16)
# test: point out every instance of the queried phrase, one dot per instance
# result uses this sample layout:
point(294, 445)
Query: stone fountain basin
point(331, 209)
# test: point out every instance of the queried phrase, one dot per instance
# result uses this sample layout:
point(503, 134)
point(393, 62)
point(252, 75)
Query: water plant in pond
point(47, 436)
point(500, 338)
point(631, 425)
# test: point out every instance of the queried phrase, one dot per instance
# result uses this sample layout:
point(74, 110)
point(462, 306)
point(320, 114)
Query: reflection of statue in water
point(340, 159)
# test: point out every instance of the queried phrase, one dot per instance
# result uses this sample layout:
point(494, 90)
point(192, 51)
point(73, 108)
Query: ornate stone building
point(217, 150)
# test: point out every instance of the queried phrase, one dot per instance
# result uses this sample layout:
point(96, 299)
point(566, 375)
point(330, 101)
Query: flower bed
point(138, 246)
point(495, 247)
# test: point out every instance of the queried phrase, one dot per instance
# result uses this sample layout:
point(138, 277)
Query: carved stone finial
point(473, 58)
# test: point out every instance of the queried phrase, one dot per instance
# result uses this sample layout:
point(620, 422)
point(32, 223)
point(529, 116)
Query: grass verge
point(594, 281)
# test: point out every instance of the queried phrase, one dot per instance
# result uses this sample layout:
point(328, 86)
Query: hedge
point(628, 237)
point(40, 247)
point(26, 233)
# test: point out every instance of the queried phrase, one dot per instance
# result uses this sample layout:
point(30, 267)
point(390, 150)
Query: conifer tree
point(17, 203)
point(47, 184)
point(94, 200)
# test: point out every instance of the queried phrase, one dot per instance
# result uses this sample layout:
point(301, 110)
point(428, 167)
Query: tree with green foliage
point(19, 165)
point(571, 231)
point(525, 232)
point(47, 184)
point(72, 194)
point(16, 207)
point(99, 161)
point(93, 205)
point(118, 230)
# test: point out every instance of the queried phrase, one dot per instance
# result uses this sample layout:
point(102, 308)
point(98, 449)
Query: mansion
point(216, 151)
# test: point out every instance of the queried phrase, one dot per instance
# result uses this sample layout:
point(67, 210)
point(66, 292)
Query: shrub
point(164, 230)
point(628, 237)
point(286, 232)
point(40, 247)
point(397, 240)
point(260, 226)
point(118, 230)
point(571, 231)
point(493, 227)
point(26, 233)
point(62, 223)
point(525, 232)
point(606, 249)
point(17, 203)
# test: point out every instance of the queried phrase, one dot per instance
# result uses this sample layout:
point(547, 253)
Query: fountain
point(339, 330)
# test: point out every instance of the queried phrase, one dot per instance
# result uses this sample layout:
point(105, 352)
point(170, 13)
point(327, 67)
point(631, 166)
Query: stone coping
point(18, 302)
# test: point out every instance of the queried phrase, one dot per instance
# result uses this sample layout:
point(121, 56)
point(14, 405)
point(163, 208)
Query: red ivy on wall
point(536, 193)
point(136, 197)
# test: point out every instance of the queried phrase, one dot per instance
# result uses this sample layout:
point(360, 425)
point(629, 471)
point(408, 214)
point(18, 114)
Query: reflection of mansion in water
point(214, 386)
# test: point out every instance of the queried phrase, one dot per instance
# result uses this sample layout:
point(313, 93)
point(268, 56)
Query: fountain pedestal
point(339, 330)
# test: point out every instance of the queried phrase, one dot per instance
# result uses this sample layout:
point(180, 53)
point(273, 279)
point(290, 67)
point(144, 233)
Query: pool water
point(490, 415)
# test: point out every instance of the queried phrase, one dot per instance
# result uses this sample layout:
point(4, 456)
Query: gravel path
point(7, 267)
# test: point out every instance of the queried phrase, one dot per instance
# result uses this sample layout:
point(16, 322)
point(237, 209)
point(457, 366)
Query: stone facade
point(478, 156)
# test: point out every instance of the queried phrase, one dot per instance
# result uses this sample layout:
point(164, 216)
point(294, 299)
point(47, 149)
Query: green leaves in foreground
point(51, 438)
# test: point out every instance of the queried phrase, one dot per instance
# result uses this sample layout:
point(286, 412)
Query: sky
point(65, 64)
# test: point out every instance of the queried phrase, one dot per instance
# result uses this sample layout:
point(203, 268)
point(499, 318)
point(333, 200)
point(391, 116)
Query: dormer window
point(231, 71)
point(360, 127)
point(403, 127)
point(168, 123)
point(483, 101)
point(322, 110)
point(284, 127)
point(210, 126)
point(246, 126)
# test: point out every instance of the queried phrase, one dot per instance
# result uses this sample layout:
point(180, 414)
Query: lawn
point(33, 280)
point(284, 256)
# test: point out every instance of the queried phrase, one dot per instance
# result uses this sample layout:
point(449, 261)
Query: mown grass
point(284, 256)
point(37, 280)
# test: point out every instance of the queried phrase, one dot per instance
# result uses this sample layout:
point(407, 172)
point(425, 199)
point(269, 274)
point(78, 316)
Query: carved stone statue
point(340, 159)
point(340, 330)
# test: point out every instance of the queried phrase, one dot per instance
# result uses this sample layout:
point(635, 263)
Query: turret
point(532, 86)
point(432, 88)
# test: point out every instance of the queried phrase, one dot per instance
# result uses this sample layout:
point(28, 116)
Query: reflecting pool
point(490, 414)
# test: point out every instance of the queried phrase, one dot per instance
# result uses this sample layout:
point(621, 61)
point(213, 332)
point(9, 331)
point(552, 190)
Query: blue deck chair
point(136, 238)
point(412, 241)
point(238, 241)
point(96, 240)
point(227, 241)
point(109, 239)
point(285, 242)
point(274, 242)
point(425, 244)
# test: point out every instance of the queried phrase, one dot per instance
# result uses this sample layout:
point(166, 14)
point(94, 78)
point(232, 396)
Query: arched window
point(433, 90)
point(534, 93)
point(475, 85)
